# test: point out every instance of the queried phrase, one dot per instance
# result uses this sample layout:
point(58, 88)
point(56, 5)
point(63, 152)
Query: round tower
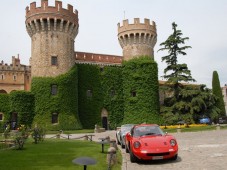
point(52, 30)
point(137, 39)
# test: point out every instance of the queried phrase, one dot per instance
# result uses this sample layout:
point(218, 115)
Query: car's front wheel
point(122, 145)
point(175, 157)
point(133, 158)
point(118, 141)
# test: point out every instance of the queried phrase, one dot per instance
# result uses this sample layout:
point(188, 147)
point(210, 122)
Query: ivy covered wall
point(23, 103)
point(19, 102)
point(5, 109)
point(90, 95)
point(113, 94)
point(64, 103)
point(141, 91)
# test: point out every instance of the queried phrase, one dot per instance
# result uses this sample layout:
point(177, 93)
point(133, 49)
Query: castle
point(52, 30)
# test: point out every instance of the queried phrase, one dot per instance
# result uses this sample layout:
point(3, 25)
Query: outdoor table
point(103, 142)
point(84, 161)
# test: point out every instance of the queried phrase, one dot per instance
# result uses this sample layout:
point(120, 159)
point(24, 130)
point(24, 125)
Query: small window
point(1, 116)
point(54, 60)
point(54, 118)
point(54, 89)
point(14, 77)
point(112, 93)
point(101, 69)
point(2, 76)
point(133, 93)
point(89, 93)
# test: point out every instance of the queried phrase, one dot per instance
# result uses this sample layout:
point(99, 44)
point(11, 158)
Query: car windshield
point(147, 130)
point(125, 129)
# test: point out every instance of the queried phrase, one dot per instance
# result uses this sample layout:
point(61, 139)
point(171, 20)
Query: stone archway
point(104, 116)
point(3, 92)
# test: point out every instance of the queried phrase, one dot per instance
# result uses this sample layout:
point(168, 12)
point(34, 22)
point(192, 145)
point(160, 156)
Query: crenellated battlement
point(136, 25)
point(52, 11)
point(51, 18)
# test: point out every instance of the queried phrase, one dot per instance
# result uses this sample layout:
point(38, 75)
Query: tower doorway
point(104, 116)
point(13, 121)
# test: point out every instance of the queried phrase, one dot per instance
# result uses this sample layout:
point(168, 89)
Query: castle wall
point(48, 44)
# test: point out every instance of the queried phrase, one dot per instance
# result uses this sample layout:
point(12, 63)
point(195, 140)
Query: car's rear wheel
point(133, 158)
point(126, 149)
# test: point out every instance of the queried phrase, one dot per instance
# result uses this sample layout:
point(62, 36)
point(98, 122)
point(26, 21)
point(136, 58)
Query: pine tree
point(216, 88)
point(175, 72)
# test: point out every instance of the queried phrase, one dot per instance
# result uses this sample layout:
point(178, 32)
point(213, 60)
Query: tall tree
point(216, 88)
point(175, 72)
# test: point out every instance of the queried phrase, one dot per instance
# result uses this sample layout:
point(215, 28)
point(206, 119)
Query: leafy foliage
point(64, 103)
point(141, 91)
point(216, 88)
point(4, 108)
point(194, 102)
point(175, 72)
point(183, 102)
point(113, 94)
point(90, 105)
point(23, 103)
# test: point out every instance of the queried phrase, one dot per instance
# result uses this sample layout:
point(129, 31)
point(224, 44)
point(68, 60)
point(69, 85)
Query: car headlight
point(136, 144)
point(173, 142)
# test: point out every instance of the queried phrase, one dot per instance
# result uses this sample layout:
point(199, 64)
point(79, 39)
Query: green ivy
point(23, 103)
point(141, 91)
point(5, 109)
point(113, 94)
point(65, 102)
point(89, 106)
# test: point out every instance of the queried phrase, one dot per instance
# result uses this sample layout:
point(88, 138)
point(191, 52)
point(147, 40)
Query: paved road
point(205, 150)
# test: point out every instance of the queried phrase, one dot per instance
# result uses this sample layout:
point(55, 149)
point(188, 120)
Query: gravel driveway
point(205, 150)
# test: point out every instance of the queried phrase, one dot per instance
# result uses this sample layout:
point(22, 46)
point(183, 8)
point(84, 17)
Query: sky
point(203, 21)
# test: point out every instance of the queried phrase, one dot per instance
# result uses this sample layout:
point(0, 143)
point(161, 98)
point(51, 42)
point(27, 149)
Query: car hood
point(155, 141)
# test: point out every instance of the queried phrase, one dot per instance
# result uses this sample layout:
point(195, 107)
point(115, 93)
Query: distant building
point(14, 76)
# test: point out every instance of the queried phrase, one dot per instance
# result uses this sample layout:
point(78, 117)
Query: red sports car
point(149, 142)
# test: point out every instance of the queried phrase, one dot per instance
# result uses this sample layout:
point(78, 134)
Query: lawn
point(54, 154)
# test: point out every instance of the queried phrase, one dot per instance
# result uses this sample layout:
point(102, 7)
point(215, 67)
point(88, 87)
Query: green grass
point(54, 154)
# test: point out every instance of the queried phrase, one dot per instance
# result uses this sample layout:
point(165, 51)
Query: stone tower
point(52, 30)
point(137, 39)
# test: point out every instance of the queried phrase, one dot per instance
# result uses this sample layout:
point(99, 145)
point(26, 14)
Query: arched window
point(54, 118)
